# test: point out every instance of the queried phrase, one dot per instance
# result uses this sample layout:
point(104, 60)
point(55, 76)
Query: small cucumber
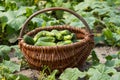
point(39, 34)
point(57, 34)
point(50, 34)
point(42, 43)
point(64, 42)
point(67, 37)
point(47, 39)
point(55, 31)
point(28, 40)
point(74, 37)
point(65, 32)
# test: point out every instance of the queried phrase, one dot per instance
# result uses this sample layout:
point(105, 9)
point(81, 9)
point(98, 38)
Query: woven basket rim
point(82, 42)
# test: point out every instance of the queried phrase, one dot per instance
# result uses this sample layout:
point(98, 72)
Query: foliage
point(98, 13)
point(4, 50)
point(112, 35)
point(101, 15)
point(7, 68)
point(100, 71)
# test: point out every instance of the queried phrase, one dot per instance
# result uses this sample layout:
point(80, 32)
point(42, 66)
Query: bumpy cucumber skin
point(55, 37)
point(65, 32)
point(39, 34)
point(42, 43)
point(67, 37)
point(64, 42)
point(47, 39)
point(43, 34)
point(28, 40)
point(74, 37)
point(57, 34)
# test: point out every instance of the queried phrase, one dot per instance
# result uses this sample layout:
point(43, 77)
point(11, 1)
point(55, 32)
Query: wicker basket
point(58, 57)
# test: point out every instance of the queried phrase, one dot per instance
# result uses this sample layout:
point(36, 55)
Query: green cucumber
point(57, 33)
point(42, 43)
point(65, 32)
point(47, 39)
point(64, 42)
point(67, 37)
point(39, 34)
point(28, 40)
point(74, 37)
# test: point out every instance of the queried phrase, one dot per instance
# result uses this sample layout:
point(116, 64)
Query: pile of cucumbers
point(51, 38)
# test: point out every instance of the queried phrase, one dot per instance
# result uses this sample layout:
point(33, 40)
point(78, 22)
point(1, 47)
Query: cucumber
point(55, 31)
point(64, 42)
point(65, 32)
point(74, 37)
point(47, 39)
point(57, 34)
point(42, 43)
point(28, 40)
point(39, 34)
point(67, 37)
point(50, 34)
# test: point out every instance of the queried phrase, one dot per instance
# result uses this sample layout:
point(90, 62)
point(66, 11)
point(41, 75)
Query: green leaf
point(95, 59)
point(112, 56)
point(12, 38)
point(92, 72)
point(17, 22)
point(113, 63)
point(2, 8)
point(11, 65)
point(25, 10)
point(98, 39)
point(67, 4)
point(100, 72)
point(100, 77)
point(116, 76)
point(116, 36)
point(52, 75)
point(114, 19)
point(72, 74)
point(18, 52)
point(5, 49)
point(107, 33)
point(21, 11)
point(22, 77)
point(38, 21)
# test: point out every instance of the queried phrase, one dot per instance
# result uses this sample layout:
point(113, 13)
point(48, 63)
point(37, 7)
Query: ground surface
point(101, 51)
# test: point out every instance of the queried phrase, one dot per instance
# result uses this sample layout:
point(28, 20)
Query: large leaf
point(38, 21)
point(72, 74)
point(14, 21)
point(113, 63)
point(23, 10)
point(11, 65)
point(115, 20)
point(2, 8)
point(4, 51)
point(17, 22)
point(17, 52)
point(116, 76)
point(22, 77)
point(100, 72)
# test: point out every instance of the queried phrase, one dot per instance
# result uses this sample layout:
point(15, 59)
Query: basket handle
point(52, 9)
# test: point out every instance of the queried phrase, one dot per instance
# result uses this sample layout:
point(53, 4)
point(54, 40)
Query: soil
point(101, 52)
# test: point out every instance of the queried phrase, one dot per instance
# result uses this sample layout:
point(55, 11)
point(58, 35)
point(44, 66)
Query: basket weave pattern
point(58, 57)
